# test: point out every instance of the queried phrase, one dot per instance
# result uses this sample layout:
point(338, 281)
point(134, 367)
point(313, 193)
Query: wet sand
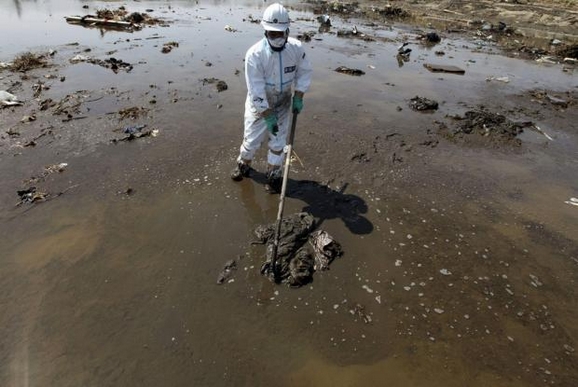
point(462, 252)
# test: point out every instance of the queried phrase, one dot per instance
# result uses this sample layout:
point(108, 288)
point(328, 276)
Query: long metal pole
point(282, 196)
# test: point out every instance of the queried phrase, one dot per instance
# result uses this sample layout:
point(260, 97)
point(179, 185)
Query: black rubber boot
point(241, 170)
point(274, 181)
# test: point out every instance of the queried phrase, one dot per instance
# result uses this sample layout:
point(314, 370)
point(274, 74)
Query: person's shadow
point(325, 203)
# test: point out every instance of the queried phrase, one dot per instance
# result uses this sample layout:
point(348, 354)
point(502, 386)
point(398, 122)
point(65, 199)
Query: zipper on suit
point(280, 72)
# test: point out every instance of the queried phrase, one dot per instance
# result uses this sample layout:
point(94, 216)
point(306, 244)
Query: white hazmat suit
point(272, 77)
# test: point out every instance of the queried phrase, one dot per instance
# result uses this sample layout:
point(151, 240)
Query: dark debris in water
point(132, 112)
point(31, 195)
point(28, 61)
point(111, 63)
point(569, 51)
point(134, 132)
point(349, 71)
point(301, 250)
point(118, 18)
point(168, 47)
point(485, 127)
point(422, 104)
point(219, 84)
point(227, 272)
point(368, 11)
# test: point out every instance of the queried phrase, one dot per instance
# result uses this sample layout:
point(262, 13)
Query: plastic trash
point(79, 58)
point(133, 129)
point(324, 20)
point(7, 99)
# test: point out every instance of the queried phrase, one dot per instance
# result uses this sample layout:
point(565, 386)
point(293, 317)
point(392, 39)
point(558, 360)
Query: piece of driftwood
point(437, 68)
point(90, 20)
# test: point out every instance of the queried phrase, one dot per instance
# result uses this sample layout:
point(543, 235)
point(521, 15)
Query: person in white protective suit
point(277, 73)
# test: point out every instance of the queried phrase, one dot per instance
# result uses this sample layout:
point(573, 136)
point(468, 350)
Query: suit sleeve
point(304, 70)
point(255, 79)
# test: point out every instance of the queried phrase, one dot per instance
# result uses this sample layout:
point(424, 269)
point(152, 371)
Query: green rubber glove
point(271, 121)
point(297, 104)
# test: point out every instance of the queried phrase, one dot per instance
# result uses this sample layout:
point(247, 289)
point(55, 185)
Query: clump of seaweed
point(28, 61)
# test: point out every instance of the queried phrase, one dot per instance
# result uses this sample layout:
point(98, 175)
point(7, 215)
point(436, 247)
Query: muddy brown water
point(464, 257)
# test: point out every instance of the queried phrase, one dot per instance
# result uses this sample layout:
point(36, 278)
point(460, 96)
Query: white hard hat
point(275, 18)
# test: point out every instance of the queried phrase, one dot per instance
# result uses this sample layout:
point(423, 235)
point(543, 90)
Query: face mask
point(277, 42)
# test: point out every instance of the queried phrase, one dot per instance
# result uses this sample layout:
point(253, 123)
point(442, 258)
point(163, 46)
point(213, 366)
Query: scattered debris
point(28, 118)
point(135, 132)
point(535, 281)
point(499, 79)
point(437, 68)
point(133, 129)
point(542, 95)
point(38, 88)
point(547, 59)
point(359, 311)
point(115, 19)
point(403, 49)
point(572, 201)
point(539, 130)
point(391, 12)
point(79, 58)
point(31, 195)
point(306, 36)
point(349, 71)
point(431, 38)
point(367, 289)
point(28, 61)
point(569, 52)
point(403, 54)
point(354, 33)
point(349, 32)
point(339, 7)
point(445, 272)
point(421, 104)
point(494, 127)
point(47, 171)
point(136, 17)
point(168, 47)
point(47, 104)
point(110, 63)
point(557, 101)
point(230, 28)
point(227, 272)
point(92, 21)
point(132, 112)
point(325, 248)
point(324, 20)
point(8, 99)
point(220, 85)
point(250, 19)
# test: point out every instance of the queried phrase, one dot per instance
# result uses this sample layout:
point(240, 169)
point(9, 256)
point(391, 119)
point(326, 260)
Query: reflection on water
point(18, 7)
